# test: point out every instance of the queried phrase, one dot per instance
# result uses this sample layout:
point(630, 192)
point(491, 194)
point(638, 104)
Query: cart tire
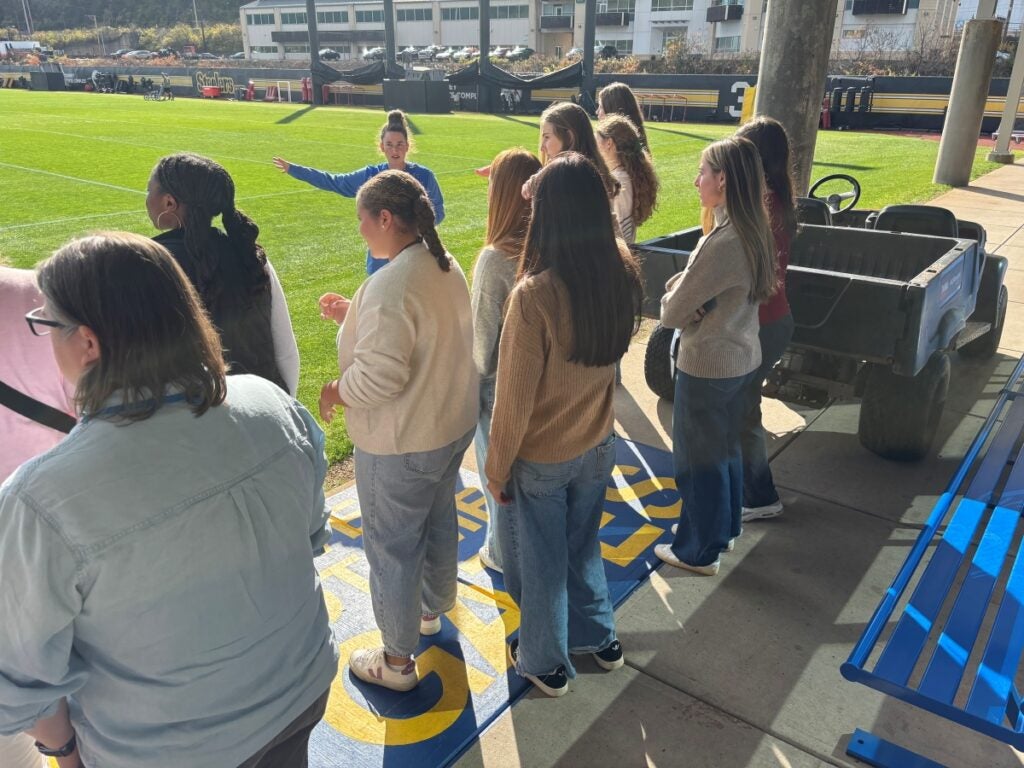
point(899, 415)
point(986, 346)
point(659, 363)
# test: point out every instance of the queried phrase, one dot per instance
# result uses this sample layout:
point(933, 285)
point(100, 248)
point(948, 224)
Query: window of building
point(463, 13)
point(255, 19)
point(616, 6)
point(414, 14)
point(370, 17)
point(293, 18)
point(731, 43)
point(332, 17)
point(853, 34)
point(549, 9)
point(510, 12)
point(296, 49)
point(622, 47)
point(671, 5)
point(264, 49)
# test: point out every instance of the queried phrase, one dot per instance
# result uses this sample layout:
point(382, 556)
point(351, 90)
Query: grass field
point(72, 163)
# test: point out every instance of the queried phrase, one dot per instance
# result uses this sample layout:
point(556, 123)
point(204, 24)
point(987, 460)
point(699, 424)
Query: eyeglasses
point(40, 325)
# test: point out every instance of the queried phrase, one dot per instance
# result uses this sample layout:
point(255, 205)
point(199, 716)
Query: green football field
point(72, 163)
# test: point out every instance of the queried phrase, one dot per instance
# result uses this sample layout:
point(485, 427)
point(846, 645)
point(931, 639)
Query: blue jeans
point(410, 536)
point(758, 484)
point(553, 565)
point(706, 419)
point(480, 444)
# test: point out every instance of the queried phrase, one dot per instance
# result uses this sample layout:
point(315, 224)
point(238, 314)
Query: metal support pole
point(389, 34)
point(314, 52)
point(589, 38)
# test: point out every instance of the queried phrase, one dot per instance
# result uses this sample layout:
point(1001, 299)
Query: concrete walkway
point(743, 669)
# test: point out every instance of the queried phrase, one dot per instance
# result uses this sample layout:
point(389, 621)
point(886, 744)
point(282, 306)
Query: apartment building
point(276, 29)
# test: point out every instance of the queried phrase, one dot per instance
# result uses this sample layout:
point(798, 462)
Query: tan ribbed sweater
point(723, 344)
point(546, 409)
point(405, 352)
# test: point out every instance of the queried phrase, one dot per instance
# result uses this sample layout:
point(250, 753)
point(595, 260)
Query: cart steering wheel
point(838, 202)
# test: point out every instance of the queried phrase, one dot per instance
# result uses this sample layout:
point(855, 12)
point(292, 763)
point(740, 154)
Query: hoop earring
point(177, 218)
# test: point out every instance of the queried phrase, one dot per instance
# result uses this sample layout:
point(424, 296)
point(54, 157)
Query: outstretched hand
point(282, 164)
point(334, 306)
point(485, 171)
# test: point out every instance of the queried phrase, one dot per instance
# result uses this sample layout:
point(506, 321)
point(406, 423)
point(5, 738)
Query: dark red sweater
point(777, 307)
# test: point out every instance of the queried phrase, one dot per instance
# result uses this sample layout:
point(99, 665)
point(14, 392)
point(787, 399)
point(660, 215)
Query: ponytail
point(242, 233)
point(402, 195)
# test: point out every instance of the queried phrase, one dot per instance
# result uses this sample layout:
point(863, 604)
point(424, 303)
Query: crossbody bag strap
point(31, 408)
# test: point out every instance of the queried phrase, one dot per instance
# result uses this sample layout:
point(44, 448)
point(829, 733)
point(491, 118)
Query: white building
point(276, 29)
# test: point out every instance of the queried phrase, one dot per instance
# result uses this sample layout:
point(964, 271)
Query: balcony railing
point(556, 22)
point(724, 12)
point(889, 7)
point(614, 19)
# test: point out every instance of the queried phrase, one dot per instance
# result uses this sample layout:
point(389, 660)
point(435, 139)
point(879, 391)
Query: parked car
point(520, 53)
point(409, 53)
point(208, 56)
point(499, 52)
point(574, 53)
point(119, 53)
point(374, 54)
point(430, 52)
point(165, 52)
point(606, 52)
point(445, 54)
point(241, 55)
point(329, 54)
point(139, 54)
point(466, 53)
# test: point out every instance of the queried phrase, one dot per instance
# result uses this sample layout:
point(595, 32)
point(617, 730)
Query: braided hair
point(400, 193)
point(207, 190)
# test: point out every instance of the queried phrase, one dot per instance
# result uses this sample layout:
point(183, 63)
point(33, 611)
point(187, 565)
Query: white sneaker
point(665, 554)
point(485, 557)
point(762, 513)
point(729, 548)
point(371, 666)
point(430, 623)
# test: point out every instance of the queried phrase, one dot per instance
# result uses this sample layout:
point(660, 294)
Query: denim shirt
point(160, 575)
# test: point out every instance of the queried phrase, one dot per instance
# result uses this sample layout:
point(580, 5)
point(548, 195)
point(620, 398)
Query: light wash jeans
point(410, 536)
point(480, 443)
point(553, 565)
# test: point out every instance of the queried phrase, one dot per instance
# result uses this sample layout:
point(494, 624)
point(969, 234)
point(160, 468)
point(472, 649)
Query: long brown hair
point(619, 99)
point(508, 213)
point(572, 234)
point(772, 142)
point(635, 161)
point(738, 159)
point(153, 333)
point(571, 125)
point(400, 193)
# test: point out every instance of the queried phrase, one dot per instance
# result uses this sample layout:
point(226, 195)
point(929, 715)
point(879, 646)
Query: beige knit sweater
point(405, 352)
point(725, 342)
point(546, 408)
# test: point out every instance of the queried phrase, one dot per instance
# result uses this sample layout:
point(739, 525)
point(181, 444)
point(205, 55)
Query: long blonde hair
point(508, 213)
point(739, 160)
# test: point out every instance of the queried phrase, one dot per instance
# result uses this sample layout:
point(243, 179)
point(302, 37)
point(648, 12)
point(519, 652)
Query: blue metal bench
point(929, 659)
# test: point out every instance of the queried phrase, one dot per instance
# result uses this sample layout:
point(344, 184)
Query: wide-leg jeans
point(553, 565)
point(706, 419)
point(410, 536)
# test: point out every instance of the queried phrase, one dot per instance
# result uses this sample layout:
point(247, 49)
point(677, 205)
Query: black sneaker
point(611, 657)
point(554, 684)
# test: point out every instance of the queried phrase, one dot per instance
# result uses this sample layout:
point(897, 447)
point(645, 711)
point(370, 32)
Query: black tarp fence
point(370, 74)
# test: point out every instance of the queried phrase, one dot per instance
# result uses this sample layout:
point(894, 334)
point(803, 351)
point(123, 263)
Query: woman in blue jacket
point(395, 144)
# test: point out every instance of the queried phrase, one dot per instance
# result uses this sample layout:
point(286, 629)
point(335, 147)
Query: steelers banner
point(466, 679)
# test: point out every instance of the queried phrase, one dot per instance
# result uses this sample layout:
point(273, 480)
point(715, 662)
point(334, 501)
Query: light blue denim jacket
point(160, 575)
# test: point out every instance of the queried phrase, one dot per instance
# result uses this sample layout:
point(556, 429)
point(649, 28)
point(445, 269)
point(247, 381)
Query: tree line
point(62, 14)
